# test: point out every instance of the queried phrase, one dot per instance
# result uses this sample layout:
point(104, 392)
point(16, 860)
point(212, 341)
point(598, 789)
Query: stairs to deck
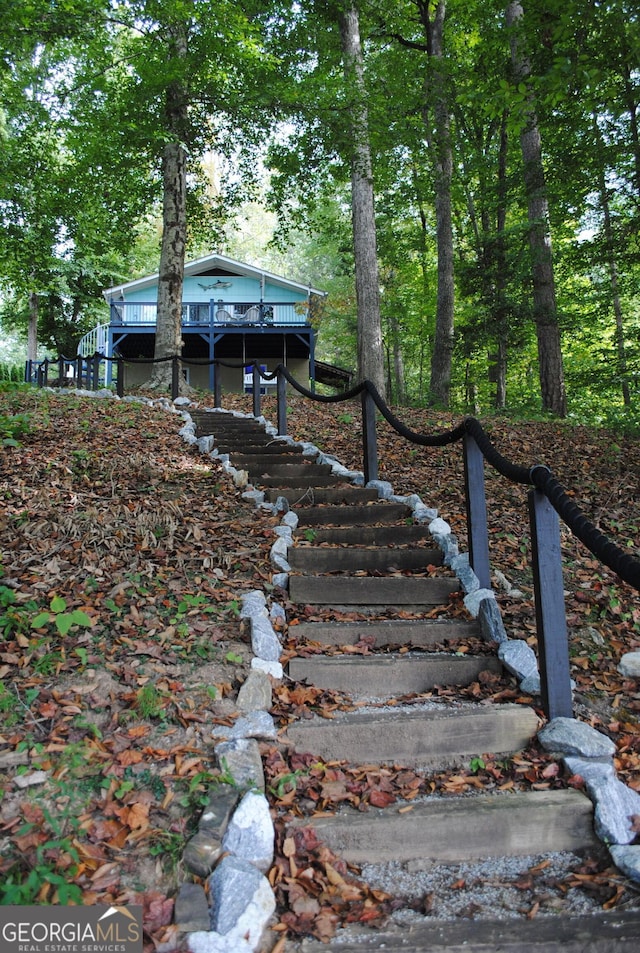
point(354, 553)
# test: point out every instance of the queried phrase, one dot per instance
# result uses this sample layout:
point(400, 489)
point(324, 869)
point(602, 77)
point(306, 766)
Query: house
point(231, 312)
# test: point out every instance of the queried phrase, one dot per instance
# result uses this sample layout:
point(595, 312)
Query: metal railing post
point(175, 378)
point(476, 510)
point(551, 620)
point(256, 390)
point(369, 437)
point(282, 404)
point(96, 370)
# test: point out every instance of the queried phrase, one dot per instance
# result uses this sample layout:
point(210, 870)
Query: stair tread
point(384, 676)
point(378, 512)
point(337, 558)
point(452, 829)
point(417, 734)
point(383, 535)
point(372, 590)
point(417, 632)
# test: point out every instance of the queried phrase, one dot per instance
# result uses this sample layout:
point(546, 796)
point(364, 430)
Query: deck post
point(282, 404)
point(369, 437)
point(217, 386)
point(256, 389)
point(96, 370)
point(551, 621)
point(120, 381)
point(476, 510)
point(175, 377)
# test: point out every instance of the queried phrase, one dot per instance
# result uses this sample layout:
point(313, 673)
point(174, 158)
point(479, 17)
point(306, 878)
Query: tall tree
point(370, 352)
point(551, 370)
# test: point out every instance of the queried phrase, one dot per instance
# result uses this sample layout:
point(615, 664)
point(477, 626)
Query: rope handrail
point(627, 567)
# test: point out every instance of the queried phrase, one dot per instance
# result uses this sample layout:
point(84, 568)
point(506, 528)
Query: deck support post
point(476, 510)
point(217, 386)
point(282, 404)
point(256, 390)
point(96, 370)
point(551, 621)
point(369, 437)
point(175, 377)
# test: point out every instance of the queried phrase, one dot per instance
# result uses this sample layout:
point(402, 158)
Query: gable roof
point(214, 265)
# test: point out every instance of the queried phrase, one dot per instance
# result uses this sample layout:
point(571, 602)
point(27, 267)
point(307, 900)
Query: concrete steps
point(372, 590)
point(462, 829)
point(357, 558)
point(369, 558)
point(386, 676)
point(421, 736)
point(405, 632)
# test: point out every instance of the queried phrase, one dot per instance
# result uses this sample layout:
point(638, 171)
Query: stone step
point(333, 491)
point(372, 590)
point(225, 422)
point(417, 735)
point(291, 487)
point(352, 558)
point(380, 512)
point(406, 632)
point(290, 471)
point(610, 932)
point(270, 454)
point(384, 676)
point(399, 534)
point(251, 444)
point(455, 829)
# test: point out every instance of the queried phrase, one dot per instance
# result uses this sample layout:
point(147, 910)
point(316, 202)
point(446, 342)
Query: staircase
point(357, 555)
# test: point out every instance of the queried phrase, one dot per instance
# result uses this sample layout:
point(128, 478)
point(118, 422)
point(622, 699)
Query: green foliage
point(60, 618)
point(12, 427)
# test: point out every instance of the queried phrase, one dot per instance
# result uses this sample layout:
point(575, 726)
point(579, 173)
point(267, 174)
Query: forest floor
point(123, 558)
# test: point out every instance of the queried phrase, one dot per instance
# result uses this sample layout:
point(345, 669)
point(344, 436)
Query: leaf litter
point(108, 725)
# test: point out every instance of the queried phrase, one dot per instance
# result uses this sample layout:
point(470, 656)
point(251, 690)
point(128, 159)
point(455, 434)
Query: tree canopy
point(503, 164)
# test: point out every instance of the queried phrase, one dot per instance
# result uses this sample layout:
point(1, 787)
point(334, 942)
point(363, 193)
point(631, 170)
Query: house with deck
point(232, 313)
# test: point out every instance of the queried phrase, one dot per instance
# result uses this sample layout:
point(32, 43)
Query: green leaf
point(58, 604)
point(64, 622)
point(40, 620)
point(80, 618)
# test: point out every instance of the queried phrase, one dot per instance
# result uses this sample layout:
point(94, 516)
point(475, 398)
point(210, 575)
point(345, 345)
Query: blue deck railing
point(217, 313)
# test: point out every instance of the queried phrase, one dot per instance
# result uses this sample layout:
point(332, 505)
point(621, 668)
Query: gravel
point(498, 888)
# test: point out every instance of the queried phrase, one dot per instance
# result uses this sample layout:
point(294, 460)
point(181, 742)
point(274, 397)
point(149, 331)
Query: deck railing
point(216, 313)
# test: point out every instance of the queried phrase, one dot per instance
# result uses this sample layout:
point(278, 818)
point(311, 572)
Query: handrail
point(547, 501)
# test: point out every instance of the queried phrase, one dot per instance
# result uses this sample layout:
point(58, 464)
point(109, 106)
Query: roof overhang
point(205, 265)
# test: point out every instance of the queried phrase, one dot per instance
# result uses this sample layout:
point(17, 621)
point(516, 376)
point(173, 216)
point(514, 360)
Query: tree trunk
point(501, 302)
point(613, 275)
point(32, 328)
point(370, 350)
point(168, 341)
point(439, 141)
point(551, 369)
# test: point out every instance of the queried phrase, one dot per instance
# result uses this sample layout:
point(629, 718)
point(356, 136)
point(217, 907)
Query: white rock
point(629, 665)
point(250, 834)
